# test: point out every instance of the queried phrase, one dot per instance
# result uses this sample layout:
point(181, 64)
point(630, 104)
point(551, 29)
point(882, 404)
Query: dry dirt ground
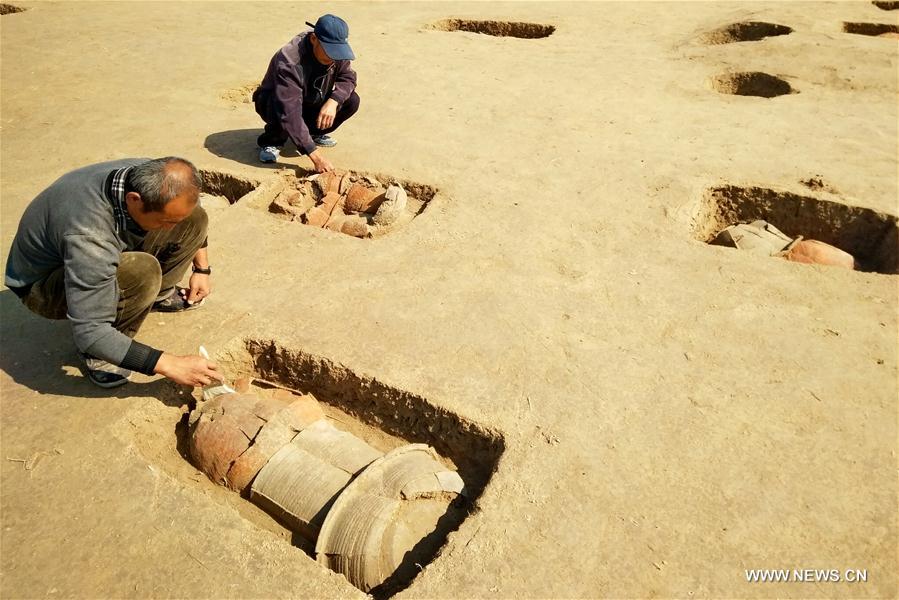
point(647, 415)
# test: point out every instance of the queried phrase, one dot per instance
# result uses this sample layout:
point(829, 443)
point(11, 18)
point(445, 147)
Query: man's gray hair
point(157, 184)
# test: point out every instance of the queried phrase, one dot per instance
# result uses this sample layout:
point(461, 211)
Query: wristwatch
point(206, 271)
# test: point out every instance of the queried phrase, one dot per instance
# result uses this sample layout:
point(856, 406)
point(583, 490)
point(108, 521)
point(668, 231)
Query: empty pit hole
point(870, 236)
point(356, 204)
point(8, 9)
point(221, 190)
point(884, 5)
point(516, 29)
point(755, 83)
point(872, 29)
point(747, 31)
point(384, 417)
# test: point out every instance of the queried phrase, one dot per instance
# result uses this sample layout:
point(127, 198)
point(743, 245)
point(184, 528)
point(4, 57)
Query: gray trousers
point(142, 276)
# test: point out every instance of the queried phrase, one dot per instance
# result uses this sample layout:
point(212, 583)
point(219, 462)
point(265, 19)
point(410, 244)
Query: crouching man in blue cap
point(308, 92)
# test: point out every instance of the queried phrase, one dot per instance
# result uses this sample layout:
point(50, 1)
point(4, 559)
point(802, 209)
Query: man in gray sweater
point(105, 244)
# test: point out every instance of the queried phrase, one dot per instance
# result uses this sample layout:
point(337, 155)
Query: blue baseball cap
point(333, 32)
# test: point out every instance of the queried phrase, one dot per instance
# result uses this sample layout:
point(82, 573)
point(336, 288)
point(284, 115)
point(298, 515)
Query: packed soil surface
point(666, 414)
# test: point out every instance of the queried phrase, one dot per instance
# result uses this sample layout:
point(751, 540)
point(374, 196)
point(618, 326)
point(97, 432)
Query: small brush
point(216, 388)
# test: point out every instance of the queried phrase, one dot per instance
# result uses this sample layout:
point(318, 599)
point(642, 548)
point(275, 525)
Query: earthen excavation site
point(599, 301)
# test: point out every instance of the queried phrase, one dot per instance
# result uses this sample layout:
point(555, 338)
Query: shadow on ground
point(39, 354)
point(240, 146)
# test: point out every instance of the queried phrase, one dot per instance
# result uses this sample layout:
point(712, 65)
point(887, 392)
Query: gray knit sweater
point(71, 225)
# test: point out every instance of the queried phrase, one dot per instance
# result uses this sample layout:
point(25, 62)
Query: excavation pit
point(221, 190)
point(757, 84)
point(384, 421)
point(356, 204)
point(886, 4)
point(515, 29)
point(747, 31)
point(8, 9)
point(872, 29)
point(870, 236)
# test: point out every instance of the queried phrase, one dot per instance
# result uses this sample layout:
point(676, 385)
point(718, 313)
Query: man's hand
point(322, 164)
point(326, 114)
point(188, 370)
point(199, 287)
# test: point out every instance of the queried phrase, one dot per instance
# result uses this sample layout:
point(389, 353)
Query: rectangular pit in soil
point(383, 419)
point(357, 204)
point(871, 237)
point(379, 411)
point(221, 189)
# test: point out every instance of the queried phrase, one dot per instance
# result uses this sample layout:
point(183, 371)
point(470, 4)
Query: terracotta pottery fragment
point(819, 253)
point(392, 506)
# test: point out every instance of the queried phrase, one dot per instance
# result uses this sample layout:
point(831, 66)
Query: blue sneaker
point(325, 141)
point(269, 154)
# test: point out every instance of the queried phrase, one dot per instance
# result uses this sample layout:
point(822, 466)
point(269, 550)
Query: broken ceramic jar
point(303, 479)
point(764, 239)
point(389, 509)
point(233, 435)
point(371, 515)
point(356, 205)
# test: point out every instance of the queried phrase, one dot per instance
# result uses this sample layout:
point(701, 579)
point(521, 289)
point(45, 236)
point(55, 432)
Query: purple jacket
point(295, 78)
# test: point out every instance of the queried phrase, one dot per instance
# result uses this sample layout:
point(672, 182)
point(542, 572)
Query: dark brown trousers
point(142, 276)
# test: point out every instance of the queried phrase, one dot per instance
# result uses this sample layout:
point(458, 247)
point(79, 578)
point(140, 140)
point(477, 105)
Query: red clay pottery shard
point(317, 217)
point(385, 512)
point(223, 428)
point(329, 183)
point(362, 199)
point(278, 431)
point(323, 182)
point(819, 253)
point(335, 221)
point(345, 182)
point(355, 226)
point(304, 407)
point(330, 202)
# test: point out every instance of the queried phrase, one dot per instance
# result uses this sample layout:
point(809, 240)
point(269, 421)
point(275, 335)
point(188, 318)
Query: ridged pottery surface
point(279, 431)
point(223, 428)
point(384, 513)
point(301, 481)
